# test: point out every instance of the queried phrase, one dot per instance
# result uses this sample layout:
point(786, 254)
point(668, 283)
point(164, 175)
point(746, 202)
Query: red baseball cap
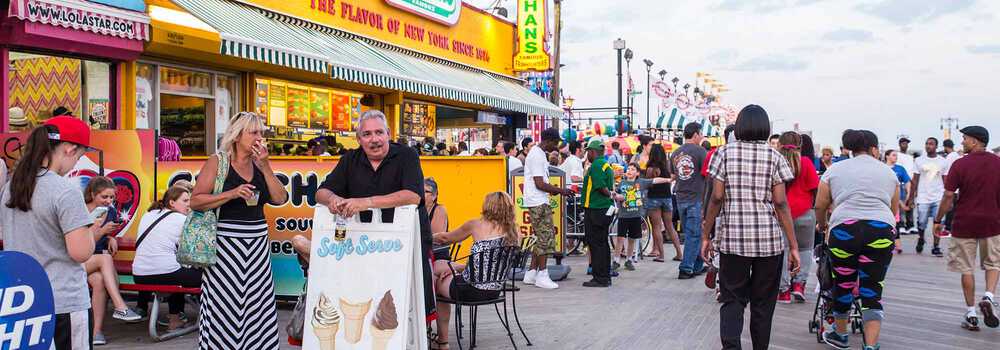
point(71, 129)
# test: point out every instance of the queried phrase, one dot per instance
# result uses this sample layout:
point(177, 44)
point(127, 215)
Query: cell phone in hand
point(112, 217)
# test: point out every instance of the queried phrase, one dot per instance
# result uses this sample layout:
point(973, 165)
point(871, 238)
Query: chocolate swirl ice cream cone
point(384, 323)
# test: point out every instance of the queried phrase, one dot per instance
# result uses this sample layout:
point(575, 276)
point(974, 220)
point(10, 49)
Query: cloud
point(761, 6)
point(983, 49)
point(723, 56)
point(905, 12)
point(772, 63)
point(849, 35)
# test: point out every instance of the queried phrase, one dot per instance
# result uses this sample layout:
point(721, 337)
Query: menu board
point(277, 114)
point(355, 112)
point(298, 106)
point(260, 99)
point(342, 112)
point(319, 109)
point(419, 119)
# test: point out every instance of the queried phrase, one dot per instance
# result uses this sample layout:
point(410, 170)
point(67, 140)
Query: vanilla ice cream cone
point(354, 316)
point(380, 337)
point(327, 335)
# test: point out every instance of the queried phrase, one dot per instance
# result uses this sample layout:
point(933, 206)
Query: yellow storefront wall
point(478, 39)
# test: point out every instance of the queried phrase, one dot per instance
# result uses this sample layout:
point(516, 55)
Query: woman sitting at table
point(493, 229)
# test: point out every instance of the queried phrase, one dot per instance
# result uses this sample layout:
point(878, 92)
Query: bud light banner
point(27, 311)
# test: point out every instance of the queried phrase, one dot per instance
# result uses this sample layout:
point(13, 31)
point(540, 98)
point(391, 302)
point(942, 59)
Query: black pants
point(596, 225)
point(185, 277)
point(744, 280)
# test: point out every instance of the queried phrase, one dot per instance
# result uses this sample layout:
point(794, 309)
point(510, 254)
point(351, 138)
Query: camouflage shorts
point(544, 230)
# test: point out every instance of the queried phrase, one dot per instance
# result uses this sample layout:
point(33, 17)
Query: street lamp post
point(631, 97)
point(649, 67)
point(619, 45)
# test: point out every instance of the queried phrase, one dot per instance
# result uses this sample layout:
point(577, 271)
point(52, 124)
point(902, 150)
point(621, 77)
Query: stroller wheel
point(813, 327)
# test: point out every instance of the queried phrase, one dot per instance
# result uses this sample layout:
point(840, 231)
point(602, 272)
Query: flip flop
point(659, 260)
point(677, 259)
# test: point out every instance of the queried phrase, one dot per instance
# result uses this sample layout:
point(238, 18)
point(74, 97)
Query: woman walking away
point(156, 258)
point(748, 179)
point(43, 215)
point(864, 194)
point(495, 228)
point(237, 310)
point(891, 157)
point(801, 195)
point(659, 207)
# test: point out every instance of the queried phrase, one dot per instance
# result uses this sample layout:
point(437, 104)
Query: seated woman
point(156, 257)
point(495, 228)
point(438, 216)
point(100, 268)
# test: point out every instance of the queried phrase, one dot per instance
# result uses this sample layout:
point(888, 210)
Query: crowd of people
point(749, 214)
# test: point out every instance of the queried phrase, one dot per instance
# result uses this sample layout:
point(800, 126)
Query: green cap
point(596, 145)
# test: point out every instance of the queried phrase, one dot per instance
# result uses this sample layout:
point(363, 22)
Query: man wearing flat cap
point(977, 223)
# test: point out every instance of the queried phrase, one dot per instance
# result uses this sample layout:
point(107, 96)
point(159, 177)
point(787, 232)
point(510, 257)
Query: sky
point(891, 66)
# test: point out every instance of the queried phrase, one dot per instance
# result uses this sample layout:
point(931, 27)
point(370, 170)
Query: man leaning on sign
point(378, 175)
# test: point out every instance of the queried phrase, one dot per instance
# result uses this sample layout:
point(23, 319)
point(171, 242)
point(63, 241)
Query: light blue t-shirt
point(862, 188)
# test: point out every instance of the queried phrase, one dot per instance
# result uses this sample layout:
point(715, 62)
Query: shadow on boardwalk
point(650, 309)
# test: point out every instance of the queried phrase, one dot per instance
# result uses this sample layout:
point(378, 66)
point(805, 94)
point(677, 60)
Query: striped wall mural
point(41, 83)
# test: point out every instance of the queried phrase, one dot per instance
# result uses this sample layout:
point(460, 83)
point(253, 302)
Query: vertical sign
point(531, 54)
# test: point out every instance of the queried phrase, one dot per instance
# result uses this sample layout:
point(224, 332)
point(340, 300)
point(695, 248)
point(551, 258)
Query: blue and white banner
point(27, 309)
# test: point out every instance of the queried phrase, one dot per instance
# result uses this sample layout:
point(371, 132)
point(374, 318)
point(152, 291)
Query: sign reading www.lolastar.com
point(531, 54)
point(81, 15)
point(444, 11)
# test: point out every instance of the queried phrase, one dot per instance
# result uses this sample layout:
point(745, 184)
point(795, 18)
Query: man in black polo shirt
point(384, 175)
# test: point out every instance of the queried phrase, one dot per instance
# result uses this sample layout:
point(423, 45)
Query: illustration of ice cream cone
point(354, 316)
point(384, 323)
point(326, 322)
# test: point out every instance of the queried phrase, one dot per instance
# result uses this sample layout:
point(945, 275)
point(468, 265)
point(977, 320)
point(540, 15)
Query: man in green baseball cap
point(597, 198)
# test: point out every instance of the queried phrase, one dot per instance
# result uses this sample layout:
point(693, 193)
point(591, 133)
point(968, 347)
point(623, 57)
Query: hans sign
point(531, 53)
point(443, 11)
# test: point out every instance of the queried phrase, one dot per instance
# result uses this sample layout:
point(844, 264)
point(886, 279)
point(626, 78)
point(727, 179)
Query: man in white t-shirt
point(510, 151)
point(928, 179)
point(905, 160)
point(536, 199)
point(573, 165)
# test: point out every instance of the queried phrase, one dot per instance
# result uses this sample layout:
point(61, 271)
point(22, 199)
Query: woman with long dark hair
point(243, 269)
point(659, 207)
point(43, 215)
point(864, 195)
point(748, 179)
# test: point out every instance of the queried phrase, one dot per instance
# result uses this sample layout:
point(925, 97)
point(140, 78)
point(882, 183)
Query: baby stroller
point(822, 319)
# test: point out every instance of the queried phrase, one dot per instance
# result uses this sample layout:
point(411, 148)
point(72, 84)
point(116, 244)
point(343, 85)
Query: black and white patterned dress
point(237, 310)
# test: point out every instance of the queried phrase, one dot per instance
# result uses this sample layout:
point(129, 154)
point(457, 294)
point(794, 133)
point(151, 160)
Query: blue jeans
point(690, 215)
point(925, 212)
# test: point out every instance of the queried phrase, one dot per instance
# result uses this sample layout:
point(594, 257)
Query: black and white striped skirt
point(237, 309)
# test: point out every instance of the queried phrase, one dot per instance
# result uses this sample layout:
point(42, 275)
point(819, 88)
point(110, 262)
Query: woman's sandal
point(436, 345)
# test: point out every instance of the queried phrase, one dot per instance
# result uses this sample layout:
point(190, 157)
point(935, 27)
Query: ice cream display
point(354, 316)
point(384, 323)
point(326, 322)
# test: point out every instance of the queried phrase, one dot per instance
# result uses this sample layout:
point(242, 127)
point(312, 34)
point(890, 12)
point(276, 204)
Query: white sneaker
point(543, 281)
point(529, 276)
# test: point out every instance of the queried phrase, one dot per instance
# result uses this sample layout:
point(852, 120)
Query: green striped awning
point(261, 35)
point(248, 34)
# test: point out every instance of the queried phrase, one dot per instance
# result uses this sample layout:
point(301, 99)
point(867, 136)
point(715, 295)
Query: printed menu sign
point(298, 106)
point(319, 109)
point(419, 119)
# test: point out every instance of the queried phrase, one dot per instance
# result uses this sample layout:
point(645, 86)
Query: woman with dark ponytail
point(44, 216)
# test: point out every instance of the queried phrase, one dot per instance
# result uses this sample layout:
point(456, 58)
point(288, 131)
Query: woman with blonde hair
point(243, 268)
point(493, 229)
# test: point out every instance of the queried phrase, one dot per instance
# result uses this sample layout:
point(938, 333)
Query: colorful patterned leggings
point(860, 251)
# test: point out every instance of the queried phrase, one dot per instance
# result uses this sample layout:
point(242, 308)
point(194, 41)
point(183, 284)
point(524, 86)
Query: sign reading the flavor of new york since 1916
point(531, 54)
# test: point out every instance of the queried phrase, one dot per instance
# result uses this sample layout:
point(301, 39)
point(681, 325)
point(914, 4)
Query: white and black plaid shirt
point(748, 225)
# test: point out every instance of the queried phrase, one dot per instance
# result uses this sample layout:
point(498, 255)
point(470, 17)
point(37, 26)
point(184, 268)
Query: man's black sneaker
point(936, 251)
point(615, 266)
point(683, 275)
point(989, 310)
point(629, 266)
point(920, 245)
point(971, 322)
point(596, 284)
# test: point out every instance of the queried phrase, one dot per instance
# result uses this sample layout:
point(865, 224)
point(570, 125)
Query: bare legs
point(105, 265)
point(969, 285)
point(668, 221)
point(656, 219)
point(302, 245)
point(442, 283)
point(98, 300)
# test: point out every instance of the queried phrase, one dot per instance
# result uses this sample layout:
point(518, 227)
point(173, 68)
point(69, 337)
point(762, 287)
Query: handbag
point(824, 268)
point(197, 246)
point(296, 323)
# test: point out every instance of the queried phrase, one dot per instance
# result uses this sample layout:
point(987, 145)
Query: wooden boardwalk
point(651, 309)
